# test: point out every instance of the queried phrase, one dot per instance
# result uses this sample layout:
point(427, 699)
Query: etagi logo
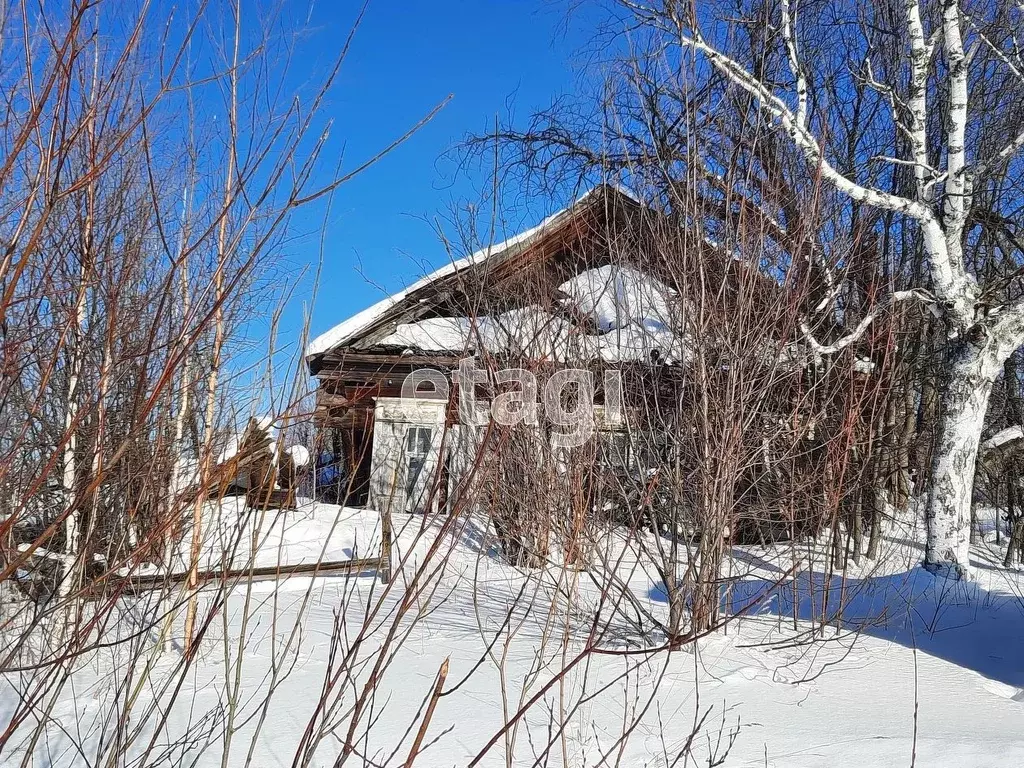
point(567, 400)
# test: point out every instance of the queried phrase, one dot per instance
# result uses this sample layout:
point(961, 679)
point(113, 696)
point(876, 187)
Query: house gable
point(524, 270)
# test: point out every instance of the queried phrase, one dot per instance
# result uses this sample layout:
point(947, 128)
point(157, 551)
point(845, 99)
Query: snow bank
point(236, 537)
point(299, 455)
point(918, 666)
point(619, 296)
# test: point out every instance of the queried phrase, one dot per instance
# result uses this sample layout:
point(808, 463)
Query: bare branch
point(830, 349)
point(958, 187)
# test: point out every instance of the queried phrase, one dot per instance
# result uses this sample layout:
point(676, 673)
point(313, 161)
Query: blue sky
point(495, 58)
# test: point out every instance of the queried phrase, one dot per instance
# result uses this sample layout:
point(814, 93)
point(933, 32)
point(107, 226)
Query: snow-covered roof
point(617, 296)
point(631, 311)
point(362, 321)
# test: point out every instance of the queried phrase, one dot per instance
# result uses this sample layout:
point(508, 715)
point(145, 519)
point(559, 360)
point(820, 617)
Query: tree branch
point(830, 349)
point(958, 185)
point(920, 56)
point(953, 285)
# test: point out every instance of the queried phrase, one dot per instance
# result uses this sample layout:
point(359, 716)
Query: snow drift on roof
point(529, 330)
point(632, 312)
point(617, 296)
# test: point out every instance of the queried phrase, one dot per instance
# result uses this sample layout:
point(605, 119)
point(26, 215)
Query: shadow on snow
point(957, 621)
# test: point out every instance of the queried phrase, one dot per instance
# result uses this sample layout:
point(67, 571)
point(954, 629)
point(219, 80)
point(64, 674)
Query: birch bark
point(971, 369)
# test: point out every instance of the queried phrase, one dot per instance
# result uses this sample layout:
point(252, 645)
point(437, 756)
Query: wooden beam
point(147, 582)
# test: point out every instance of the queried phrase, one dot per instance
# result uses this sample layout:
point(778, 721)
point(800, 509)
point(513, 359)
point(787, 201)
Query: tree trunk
point(875, 536)
point(1015, 520)
point(676, 605)
point(857, 528)
point(971, 370)
point(924, 443)
point(73, 514)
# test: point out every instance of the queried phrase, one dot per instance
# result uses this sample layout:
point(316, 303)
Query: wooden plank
point(358, 418)
point(149, 582)
point(271, 498)
point(353, 357)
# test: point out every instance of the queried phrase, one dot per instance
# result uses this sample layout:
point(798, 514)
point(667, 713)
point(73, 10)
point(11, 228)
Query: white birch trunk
point(169, 524)
point(73, 514)
point(178, 468)
point(101, 431)
point(72, 522)
point(971, 371)
point(205, 462)
point(177, 483)
point(178, 479)
point(983, 340)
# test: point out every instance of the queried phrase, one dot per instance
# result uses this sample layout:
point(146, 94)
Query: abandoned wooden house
point(583, 288)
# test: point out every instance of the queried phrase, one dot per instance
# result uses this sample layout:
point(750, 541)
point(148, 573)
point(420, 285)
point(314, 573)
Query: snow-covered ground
point(919, 672)
point(233, 537)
